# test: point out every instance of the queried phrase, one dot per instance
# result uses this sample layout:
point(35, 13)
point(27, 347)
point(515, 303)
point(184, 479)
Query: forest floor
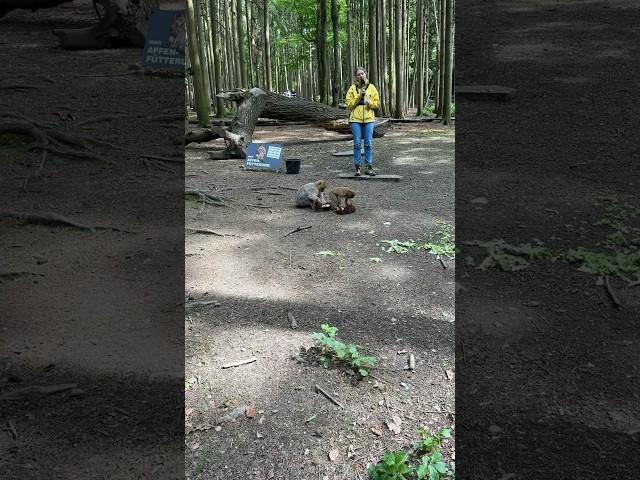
point(254, 276)
point(549, 363)
point(90, 308)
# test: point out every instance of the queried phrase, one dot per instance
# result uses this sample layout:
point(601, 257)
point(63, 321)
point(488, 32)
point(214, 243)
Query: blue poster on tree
point(166, 40)
point(263, 156)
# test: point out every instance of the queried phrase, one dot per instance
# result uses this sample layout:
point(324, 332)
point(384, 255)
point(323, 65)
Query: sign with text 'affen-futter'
point(166, 40)
point(263, 156)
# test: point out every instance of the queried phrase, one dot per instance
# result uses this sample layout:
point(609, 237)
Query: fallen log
point(342, 126)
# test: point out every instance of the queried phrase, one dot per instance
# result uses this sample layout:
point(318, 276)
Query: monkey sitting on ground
point(311, 195)
point(336, 196)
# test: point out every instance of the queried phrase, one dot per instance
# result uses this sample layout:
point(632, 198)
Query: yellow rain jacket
point(362, 113)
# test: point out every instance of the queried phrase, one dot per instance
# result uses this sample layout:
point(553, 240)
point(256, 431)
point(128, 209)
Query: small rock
point(532, 303)
point(376, 431)
point(494, 429)
point(449, 374)
point(406, 387)
point(479, 201)
point(334, 454)
point(306, 451)
point(218, 428)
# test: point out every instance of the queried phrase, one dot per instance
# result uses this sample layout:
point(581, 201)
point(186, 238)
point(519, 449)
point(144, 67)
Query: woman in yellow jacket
point(362, 100)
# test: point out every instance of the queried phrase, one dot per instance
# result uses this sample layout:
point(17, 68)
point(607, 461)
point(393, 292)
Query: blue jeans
point(360, 130)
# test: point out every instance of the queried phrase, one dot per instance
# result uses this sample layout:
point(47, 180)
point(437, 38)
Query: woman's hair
point(357, 69)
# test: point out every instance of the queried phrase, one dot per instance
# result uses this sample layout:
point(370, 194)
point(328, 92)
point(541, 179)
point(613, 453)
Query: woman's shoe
point(369, 171)
point(357, 174)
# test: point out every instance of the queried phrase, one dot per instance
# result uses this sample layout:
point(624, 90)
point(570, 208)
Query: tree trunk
point(321, 46)
point(418, 51)
point(350, 60)
point(250, 36)
point(398, 60)
point(448, 64)
point(336, 59)
point(267, 45)
point(216, 59)
point(373, 55)
point(202, 102)
point(240, 43)
point(441, 55)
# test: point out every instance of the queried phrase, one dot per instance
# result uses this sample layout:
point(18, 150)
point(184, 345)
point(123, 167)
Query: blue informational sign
point(166, 40)
point(263, 156)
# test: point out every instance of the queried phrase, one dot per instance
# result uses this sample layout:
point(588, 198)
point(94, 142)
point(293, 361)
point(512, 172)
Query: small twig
point(205, 231)
point(614, 298)
point(163, 159)
point(240, 362)
point(411, 362)
point(299, 229)
point(42, 389)
point(444, 265)
point(122, 411)
point(12, 428)
point(329, 396)
point(126, 74)
point(273, 193)
point(273, 186)
point(257, 206)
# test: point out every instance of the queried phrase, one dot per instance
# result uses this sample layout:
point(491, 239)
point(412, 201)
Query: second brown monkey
point(338, 195)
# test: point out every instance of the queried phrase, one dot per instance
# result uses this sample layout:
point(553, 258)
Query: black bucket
point(293, 166)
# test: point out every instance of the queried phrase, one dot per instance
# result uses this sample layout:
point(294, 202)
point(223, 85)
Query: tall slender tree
point(335, 92)
point(373, 51)
point(240, 43)
point(200, 94)
point(448, 63)
point(399, 40)
point(250, 35)
point(267, 45)
point(321, 49)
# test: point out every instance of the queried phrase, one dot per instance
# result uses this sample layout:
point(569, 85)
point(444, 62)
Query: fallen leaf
point(188, 412)
point(376, 431)
point(394, 424)
point(250, 412)
point(334, 454)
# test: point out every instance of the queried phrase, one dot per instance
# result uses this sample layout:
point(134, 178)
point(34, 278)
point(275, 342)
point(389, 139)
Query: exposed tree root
point(204, 197)
point(50, 140)
point(55, 220)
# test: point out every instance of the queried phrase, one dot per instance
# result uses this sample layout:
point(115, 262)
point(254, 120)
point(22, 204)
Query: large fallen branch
point(120, 22)
point(256, 103)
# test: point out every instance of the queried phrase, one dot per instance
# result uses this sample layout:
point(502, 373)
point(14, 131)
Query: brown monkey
point(338, 194)
point(311, 195)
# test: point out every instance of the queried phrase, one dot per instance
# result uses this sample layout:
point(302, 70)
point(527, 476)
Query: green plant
point(396, 246)
point(445, 245)
point(431, 467)
point(431, 442)
point(343, 353)
point(423, 462)
point(394, 466)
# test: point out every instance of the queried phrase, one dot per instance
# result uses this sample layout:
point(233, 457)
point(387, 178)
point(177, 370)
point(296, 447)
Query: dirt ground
point(256, 276)
point(95, 309)
point(547, 366)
